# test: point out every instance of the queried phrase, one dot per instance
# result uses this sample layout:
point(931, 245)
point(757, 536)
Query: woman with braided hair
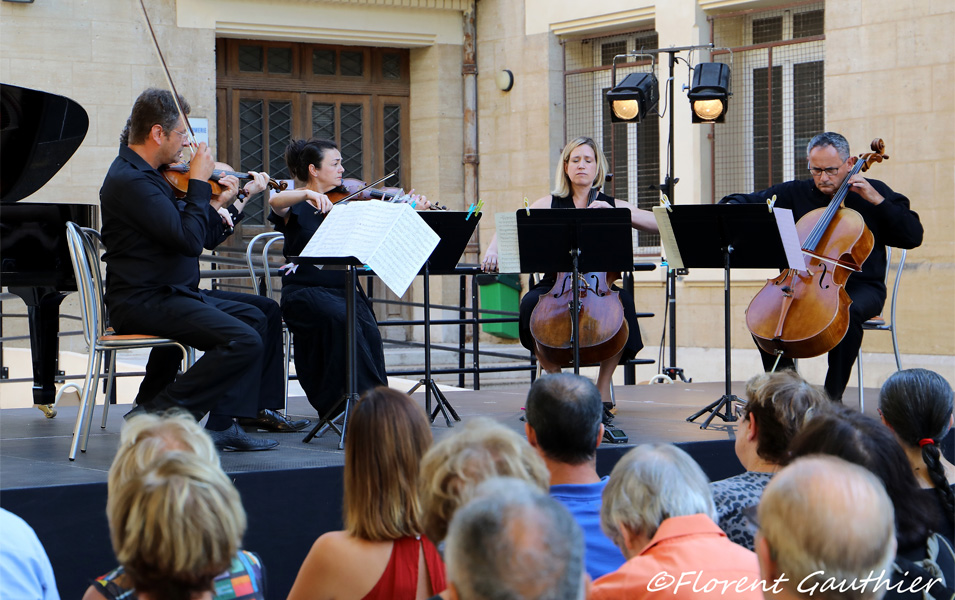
point(917, 405)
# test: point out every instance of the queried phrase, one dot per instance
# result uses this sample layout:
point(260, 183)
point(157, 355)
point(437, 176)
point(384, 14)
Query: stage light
point(633, 97)
point(709, 93)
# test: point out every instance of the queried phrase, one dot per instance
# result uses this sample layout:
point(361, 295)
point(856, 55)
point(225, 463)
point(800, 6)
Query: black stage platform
point(292, 494)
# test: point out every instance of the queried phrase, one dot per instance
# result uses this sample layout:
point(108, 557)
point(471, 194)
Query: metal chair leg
point(861, 389)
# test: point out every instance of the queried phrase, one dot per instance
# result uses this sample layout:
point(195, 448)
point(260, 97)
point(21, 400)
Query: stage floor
point(34, 449)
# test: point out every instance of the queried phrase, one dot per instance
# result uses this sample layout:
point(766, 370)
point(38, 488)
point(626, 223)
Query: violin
point(177, 176)
point(355, 189)
point(602, 326)
point(802, 314)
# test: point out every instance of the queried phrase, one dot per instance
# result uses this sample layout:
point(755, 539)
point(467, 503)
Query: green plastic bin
point(500, 292)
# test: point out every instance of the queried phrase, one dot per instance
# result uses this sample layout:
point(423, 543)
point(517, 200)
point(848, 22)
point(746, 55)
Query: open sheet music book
point(388, 237)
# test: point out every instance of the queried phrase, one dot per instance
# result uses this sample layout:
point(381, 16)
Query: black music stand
point(724, 236)
point(455, 231)
point(571, 240)
point(327, 421)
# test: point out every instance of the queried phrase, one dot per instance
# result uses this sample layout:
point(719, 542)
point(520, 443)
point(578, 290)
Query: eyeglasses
point(739, 409)
point(182, 134)
point(830, 171)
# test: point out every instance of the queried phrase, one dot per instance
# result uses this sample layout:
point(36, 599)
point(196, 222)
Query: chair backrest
point(83, 244)
point(267, 238)
point(898, 277)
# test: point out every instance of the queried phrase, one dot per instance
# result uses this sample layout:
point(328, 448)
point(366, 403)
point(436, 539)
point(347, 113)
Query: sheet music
point(790, 238)
point(508, 249)
point(390, 238)
point(670, 248)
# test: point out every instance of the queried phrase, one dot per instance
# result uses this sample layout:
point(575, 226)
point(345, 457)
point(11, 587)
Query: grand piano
point(39, 132)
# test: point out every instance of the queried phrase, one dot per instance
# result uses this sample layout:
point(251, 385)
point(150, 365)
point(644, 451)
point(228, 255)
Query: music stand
point(326, 421)
point(562, 240)
point(725, 236)
point(455, 231)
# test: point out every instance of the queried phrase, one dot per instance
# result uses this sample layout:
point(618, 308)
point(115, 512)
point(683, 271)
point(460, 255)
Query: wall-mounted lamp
point(633, 98)
point(504, 80)
point(709, 94)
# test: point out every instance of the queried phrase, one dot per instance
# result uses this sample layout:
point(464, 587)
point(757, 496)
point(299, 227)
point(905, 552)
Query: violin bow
point(193, 143)
point(372, 184)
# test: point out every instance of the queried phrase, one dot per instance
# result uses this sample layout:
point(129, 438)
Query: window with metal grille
point(392, 138)
point(271, 92)
point(778, 100)
point(632, 150)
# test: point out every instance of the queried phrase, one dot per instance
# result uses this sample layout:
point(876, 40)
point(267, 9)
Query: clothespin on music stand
point(480, 206)
point(665, 203)
point(527, 206)
point(470, 212)
point(771, 202)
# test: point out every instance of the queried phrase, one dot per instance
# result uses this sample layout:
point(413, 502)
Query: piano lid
point(39, 132)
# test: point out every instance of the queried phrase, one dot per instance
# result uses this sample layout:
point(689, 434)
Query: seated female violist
point(313, 299)
point(582, 167)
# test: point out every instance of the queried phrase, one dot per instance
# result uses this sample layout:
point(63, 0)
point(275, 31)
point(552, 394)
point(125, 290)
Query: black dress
point(529, 301)
point(313, 304)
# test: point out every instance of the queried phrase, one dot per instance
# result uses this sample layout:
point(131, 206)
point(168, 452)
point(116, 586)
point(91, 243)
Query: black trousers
point(316, 317)
point(240, 335)
point(867, 302)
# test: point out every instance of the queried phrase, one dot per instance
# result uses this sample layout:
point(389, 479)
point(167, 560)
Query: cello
point(602, 327)
point(805, 313)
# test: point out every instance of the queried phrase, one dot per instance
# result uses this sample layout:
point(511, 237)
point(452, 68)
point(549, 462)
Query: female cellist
point(582, 167)
point(313, 299)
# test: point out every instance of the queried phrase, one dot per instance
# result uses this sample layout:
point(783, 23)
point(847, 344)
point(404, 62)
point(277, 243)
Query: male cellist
point(153, 242)
point(887, 215)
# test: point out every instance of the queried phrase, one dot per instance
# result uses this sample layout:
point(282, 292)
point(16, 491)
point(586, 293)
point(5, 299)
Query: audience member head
point(564, 414)
point(777, 406)
point(175, 526)
point(153, 107)
point(650, 484)
point(917, 405)
point(300, 154)
point(822, 517)
point(562, 182)
point(146, 437)
point(863, 440)
point(388, 433)
point(514, 541)
point(454, 467)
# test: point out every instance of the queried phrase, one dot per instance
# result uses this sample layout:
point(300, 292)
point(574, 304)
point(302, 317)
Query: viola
point(802, 314)
point(177, 176)
point(602, 326)
point(355, 189)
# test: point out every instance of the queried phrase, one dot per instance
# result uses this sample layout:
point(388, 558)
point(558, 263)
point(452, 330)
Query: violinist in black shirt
point(153, 243)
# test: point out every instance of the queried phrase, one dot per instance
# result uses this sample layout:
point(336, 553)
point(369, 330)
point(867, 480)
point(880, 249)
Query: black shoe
point(236, 440)
point(273, 421)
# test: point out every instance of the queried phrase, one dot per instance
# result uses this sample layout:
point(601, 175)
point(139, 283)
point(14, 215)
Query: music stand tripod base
point(726, 401)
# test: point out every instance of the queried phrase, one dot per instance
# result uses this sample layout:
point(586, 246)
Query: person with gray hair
point(564, 424)
point(658, 509)
point(511, 541)
point(825, 532)
point(886, 214)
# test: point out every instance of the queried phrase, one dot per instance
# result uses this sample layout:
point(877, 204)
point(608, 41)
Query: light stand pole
point(667, 187)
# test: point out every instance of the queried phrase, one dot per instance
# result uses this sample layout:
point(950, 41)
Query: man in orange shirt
point(658, 509)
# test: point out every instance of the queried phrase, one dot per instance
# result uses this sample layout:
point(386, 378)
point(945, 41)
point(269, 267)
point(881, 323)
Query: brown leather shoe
point(273, 421)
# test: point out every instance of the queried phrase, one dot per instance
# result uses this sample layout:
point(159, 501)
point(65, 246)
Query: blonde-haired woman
point(162, 568)
point(582, 168)
point(454, 467)
point(382, 552)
